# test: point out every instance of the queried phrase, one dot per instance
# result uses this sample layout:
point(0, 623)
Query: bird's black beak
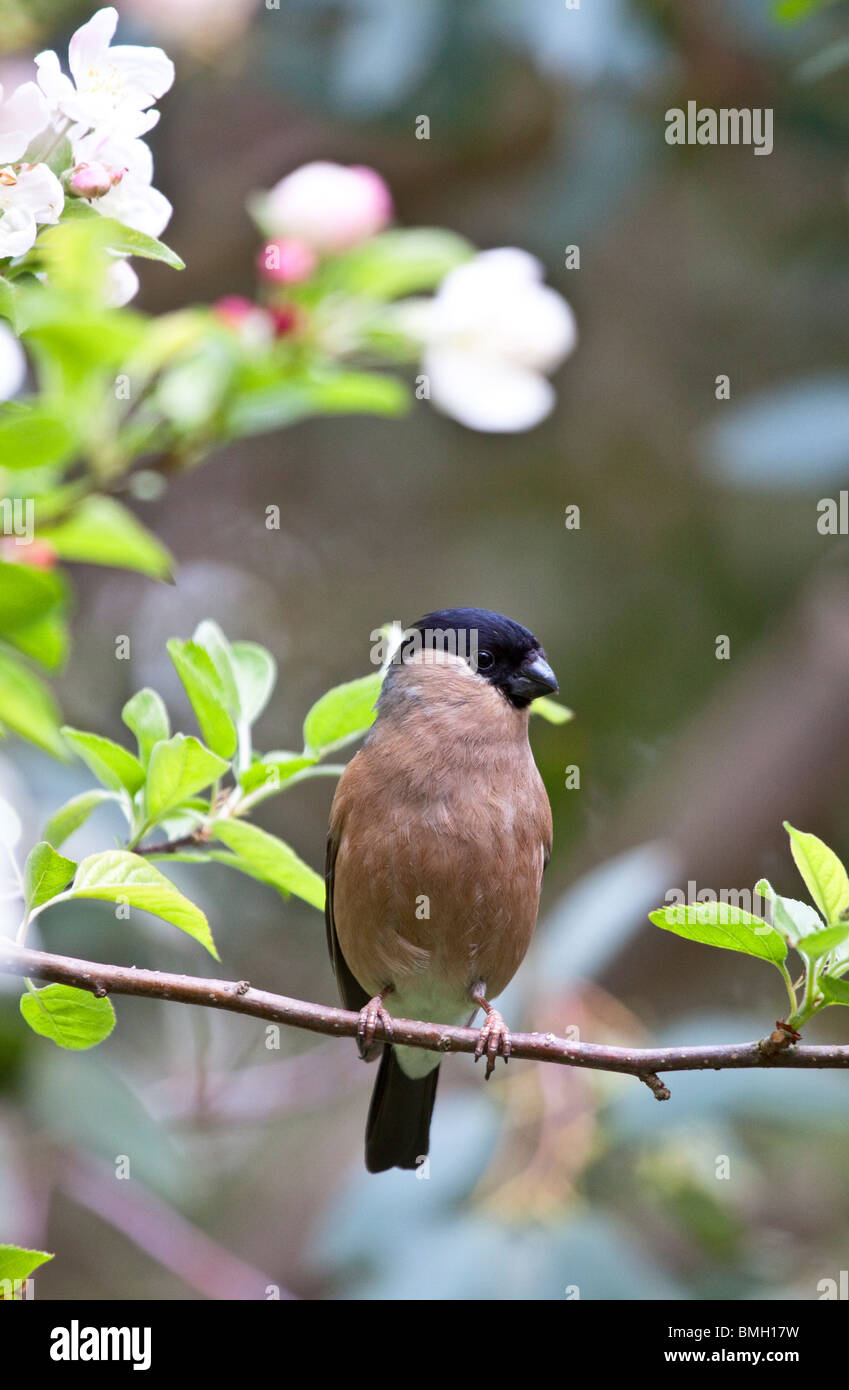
point(533, 678)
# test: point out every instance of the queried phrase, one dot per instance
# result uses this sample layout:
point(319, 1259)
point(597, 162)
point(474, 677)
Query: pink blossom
point(286, 261)
point(93, 180)
point(330, 207)
point(253, 325)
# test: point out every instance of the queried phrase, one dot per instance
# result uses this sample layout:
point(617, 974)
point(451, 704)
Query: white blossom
point(490, 333)
point(23, 115)
point(132, 200)
point(28, 197)
point(111, 88)
point(122, 284)
point(12, 372)
point(137, 205)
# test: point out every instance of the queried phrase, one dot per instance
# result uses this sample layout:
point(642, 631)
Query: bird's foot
point(493, 1040)
point(372, 1014)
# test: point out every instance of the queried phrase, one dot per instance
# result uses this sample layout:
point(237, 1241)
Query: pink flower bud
point(38, 554)
point(330, 207)
point(253, 325)
point(286, 261)
point(234, 309)
point(91, 180)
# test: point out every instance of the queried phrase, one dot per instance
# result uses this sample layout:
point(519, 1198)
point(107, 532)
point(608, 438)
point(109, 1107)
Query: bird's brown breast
point(441, 827)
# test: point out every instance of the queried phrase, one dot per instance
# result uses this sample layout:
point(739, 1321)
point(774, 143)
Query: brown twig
point(232, 996)
point(194, 838)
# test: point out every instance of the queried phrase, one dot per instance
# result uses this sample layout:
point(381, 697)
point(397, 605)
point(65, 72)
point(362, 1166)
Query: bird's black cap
point(499, 649)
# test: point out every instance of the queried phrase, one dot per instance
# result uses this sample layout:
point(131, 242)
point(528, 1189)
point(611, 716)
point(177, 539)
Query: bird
point(440, 831)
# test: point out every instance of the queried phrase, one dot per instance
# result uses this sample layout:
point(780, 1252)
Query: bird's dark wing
point(352, 994)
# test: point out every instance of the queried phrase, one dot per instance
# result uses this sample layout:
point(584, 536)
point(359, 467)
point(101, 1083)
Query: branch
point(193, 838)
point(163, 1234)
point(240, 998)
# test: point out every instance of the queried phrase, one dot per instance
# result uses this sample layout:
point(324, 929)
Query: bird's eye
point(485, 661)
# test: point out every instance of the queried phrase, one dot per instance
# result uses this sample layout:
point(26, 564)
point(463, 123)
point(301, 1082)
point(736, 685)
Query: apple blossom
point(137, 205)
point(252, 324)
point(23, 115)
point(113, 88)
point(131, 156)
point(330, 207)
point(92, 180)
point(490, 333)
point(130, 199)
point(13, 365)
point(122, 284)
point(28, 196)
point(286, 261)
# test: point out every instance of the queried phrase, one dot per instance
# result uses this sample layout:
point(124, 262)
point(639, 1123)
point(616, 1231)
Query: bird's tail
point(398, 1125)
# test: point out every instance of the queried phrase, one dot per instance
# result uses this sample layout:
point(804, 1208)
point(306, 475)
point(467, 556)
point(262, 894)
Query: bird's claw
point(494, 1040)
point(372, 1014)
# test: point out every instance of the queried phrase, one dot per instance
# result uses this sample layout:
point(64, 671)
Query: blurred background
point(698, 519)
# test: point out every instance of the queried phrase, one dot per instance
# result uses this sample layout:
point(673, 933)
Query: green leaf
point(721, 924)
point(27, 706)
point(191, 392)
point(793, 918)
point(17, 1264)
point(126, 241)
point(270, 859)
point(72, 815)
point(46, 873)
point(835, 991)
point(208, 635)
point(179, 767)
point(205, 690)
point(260, 406)
point(822, 871)
point(8, 310)
point(32, 436)
point(72, 339)
point(793, 11)
point(145, 716)
point(118, 875)
point(45, 640)
point(272, 770)
point(819, 943)
point(102, 532)
point(255, 672)
point(73, 254)
point(342, 714)
point(398, 262)
point(71, 1018)
point(111, 764)
point(551, 710)
point(44, 149)
point(358, 393)
point(26, 594)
